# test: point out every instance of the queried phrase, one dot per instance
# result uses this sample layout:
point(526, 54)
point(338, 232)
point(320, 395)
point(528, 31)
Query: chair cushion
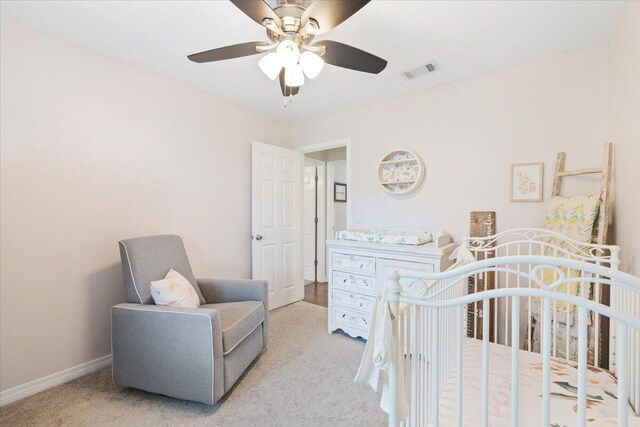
point(238, 320)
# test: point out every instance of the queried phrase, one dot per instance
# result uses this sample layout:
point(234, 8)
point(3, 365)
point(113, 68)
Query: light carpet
point(305, 378)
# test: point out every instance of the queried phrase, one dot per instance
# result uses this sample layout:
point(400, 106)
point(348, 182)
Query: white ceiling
point(466, 38)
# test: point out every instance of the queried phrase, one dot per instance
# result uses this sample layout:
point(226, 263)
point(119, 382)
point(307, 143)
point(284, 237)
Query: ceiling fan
point(291, 27)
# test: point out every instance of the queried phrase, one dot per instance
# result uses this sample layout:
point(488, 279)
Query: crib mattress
point(601, 390)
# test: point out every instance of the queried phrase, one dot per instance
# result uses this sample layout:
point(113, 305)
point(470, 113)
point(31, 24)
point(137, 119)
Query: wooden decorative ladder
point(604, 218)
point(604, 215)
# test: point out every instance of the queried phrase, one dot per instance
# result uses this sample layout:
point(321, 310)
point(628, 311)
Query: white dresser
point(357, 270)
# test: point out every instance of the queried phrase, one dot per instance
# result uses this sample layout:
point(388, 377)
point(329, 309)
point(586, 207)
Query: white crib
point(532, 241)
point(444, 376)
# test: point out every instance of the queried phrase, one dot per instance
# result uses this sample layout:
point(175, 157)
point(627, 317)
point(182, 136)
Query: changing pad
point(396, 237)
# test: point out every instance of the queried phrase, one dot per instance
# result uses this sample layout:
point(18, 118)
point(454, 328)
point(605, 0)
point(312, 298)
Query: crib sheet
point(601, 391)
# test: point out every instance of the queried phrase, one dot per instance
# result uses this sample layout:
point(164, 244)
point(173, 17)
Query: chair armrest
point(232, 290)
point(168, 350)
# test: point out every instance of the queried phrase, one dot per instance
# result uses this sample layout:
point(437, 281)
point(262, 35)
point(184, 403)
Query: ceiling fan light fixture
point(271, 65)
point(311, 64)
point(290, 55)
point(288, 52)
point(293, 76)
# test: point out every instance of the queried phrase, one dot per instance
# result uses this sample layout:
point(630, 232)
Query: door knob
point(258, 237)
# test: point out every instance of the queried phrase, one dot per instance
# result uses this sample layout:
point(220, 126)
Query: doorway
point(325, 205)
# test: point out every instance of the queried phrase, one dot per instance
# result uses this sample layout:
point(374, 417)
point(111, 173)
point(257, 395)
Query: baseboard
point(44, 383)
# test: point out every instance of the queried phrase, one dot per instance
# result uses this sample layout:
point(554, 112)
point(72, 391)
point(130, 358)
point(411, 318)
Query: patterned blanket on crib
point(601, 390)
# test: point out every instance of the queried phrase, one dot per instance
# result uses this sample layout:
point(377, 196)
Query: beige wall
point(468, 133)
point(94, 151)
point(624, 132)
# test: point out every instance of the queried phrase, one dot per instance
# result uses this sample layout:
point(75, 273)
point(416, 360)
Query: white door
point(314, 213)
point(276, 222)
point(309, 222)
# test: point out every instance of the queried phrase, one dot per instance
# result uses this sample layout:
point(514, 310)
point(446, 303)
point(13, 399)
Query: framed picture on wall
point(339, 192)
point(526, 182)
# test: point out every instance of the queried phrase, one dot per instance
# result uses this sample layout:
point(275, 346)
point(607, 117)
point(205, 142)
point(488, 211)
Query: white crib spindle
point(435, 362)
point(515, 340)
point(485, 361)
point(546, 359)
point(582, 365)
point(596, 318)
point(394, 288)
point(555, 312)
point(459, 364)
point(425, 394)
point(567, 351)
point(475, 307)
point(506, 305)
point(622, 375)
point(635, 353)
point(414, 364)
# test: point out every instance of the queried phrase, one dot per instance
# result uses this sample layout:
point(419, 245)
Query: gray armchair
point(189, 353)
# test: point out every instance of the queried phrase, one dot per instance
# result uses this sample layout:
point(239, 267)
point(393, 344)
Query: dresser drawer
point(355, 282)
point(357, 263)
point(353, 300)
point(351, 318)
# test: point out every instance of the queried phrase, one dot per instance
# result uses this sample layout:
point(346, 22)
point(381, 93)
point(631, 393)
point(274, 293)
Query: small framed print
point(526, 182)
point(339, 192)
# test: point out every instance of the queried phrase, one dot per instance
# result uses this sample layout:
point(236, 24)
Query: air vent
point(424, 69)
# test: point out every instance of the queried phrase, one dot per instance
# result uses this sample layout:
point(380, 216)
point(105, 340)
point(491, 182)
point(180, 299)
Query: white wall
point(624, 122)
point(94, 151)
point(468, 133)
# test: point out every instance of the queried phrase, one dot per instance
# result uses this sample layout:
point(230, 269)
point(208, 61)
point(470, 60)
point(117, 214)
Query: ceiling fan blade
point(345, 56)
point(257, 10)
point(331, 13)
point(287, 90)
point(227, 52)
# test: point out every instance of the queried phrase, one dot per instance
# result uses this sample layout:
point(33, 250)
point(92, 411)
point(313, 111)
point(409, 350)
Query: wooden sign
point(481, 224)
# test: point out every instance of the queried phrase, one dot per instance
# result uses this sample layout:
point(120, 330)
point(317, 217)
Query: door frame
point(322, 212)
point(310, 148)
point(336, 143)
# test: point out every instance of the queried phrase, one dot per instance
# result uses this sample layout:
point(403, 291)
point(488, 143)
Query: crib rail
point(431, 329)
point(532, 241)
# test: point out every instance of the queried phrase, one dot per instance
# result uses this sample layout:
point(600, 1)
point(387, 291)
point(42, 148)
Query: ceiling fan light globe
point(271, 65)
point(293, 76)
point(288, 52)
point(311, 64)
